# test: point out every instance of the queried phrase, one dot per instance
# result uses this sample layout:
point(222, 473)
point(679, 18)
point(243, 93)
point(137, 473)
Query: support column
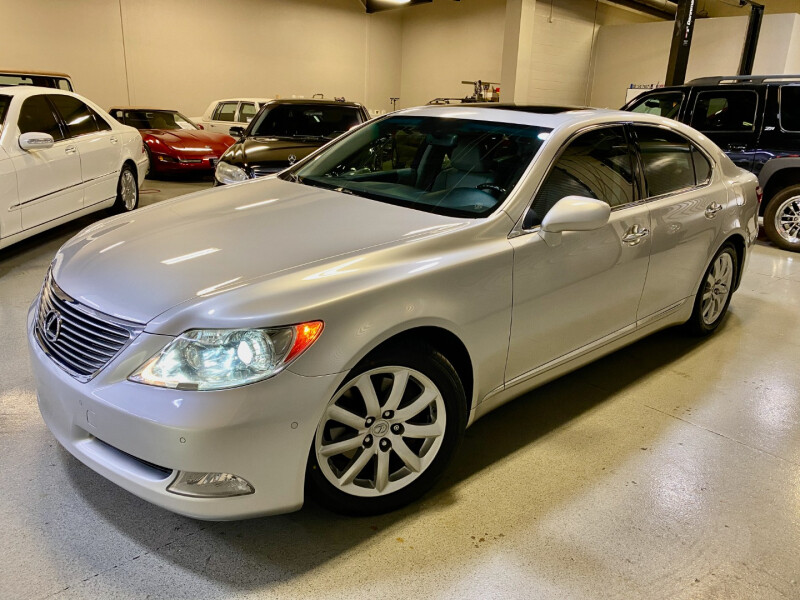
point(681, 42)
point(517, 44)
point(751, 41)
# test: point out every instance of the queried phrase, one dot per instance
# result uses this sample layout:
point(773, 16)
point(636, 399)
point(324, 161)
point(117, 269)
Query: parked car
point(221, 115)
point(334, 329)
point(283, 132)
point(59, 81)
point(755, 119)
point(61, 157)
point(174, 144)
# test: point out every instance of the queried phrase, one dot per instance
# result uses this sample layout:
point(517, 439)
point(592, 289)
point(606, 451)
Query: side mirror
point(573, 213)
point(237, 132)
point(35, 140)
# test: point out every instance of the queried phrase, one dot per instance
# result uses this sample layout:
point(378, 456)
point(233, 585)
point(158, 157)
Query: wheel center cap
point(380, 429)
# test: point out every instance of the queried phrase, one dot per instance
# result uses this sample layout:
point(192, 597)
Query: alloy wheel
point(717, 288)
point(128, 190)
point(380, 431)
point(787, 220)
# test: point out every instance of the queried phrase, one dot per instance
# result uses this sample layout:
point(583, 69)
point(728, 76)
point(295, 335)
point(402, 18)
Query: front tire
point(388, 433)
point(716, 288)
point(127, 190)
point(782, 219)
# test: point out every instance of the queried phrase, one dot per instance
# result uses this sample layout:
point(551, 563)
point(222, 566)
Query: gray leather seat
point(467, 169)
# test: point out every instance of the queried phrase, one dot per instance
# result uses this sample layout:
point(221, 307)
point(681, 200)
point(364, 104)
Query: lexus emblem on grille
point(292, 159)
point(52, 326)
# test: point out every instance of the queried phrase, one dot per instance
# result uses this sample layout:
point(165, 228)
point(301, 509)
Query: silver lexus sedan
point(333, 330)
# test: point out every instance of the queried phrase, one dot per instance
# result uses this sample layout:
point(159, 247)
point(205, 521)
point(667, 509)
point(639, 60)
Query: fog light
point(209, 485)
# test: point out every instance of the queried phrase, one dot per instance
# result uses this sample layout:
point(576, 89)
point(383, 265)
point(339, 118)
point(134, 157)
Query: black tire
point(697, 324)
point(435, 366)
point(127, 174)
point(775, 203)
point(151, 170)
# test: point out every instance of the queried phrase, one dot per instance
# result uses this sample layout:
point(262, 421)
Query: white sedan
point(61, 157)
point(333, 329)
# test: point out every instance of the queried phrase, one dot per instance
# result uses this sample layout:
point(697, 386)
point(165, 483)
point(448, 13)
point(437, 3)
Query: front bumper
point(183, 165)
point(260, 432)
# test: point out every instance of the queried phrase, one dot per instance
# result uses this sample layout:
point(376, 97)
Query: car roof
point(46, 73)
point(242, 100)
point(541, 115)
point(320, 101)
point(143, 108)
point(33, 90)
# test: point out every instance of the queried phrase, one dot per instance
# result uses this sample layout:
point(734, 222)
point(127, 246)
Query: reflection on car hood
point(136, 266)
point(259, 150)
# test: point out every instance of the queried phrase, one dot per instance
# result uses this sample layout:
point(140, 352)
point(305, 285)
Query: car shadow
point(259, 553)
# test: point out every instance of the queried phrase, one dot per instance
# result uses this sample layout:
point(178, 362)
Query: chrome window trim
point(519, 230)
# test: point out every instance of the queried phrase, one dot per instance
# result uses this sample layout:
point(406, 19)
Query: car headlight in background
point(228, 173)
point(215, 359)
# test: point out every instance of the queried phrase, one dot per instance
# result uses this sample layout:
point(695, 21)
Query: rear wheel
point(388, 433)
point(716, 288)
point(127, 190)
point(782, 219)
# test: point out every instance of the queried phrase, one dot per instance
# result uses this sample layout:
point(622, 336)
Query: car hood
point(260, 150)
point(185, 139)
point(137, 265)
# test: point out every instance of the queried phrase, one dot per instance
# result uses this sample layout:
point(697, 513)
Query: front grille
point(78, 339)
point(268, 168)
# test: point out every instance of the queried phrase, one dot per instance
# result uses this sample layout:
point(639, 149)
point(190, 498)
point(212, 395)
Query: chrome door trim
point(69, 187)
point(660, 313)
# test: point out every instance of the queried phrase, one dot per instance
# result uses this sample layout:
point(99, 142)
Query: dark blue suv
point(755, 119)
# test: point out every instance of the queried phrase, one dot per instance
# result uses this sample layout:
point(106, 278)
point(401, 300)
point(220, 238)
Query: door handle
point(635, 235)
point(70, 150)
point(712, 210)
point(113, 140)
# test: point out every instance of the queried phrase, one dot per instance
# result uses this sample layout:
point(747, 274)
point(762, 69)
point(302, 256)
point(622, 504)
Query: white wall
point(182, 54)
point(638, 53)
point(445, 43)
point(561, 53)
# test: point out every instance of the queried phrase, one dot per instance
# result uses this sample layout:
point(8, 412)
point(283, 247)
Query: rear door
point(224, 116)
point(732, 117)
point(48, 180)
point(687, 203)
point(98, 147)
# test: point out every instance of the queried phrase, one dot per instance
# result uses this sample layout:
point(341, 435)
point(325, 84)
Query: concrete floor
point(670, 469)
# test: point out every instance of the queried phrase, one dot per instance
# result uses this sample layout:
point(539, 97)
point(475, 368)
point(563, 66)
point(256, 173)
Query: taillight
point(759, 194)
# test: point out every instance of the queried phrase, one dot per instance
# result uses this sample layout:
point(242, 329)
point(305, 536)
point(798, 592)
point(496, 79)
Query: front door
point(48, 180)
point(98, 147)
point(587, 288)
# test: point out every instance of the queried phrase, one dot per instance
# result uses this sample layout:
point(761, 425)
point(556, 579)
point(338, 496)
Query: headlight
point(228, 173)
point(215, 359)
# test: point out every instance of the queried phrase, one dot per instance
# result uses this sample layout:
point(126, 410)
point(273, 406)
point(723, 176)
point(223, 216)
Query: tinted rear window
point(725, 110)
point(80, 119)
point(667, 160)
point(790, 107)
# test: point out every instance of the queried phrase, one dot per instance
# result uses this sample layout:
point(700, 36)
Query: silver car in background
point(335, 328)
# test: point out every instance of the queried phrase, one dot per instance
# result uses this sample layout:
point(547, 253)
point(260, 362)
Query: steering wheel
point(490, 186)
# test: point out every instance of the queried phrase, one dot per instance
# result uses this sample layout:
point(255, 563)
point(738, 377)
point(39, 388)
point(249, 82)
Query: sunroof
point(532, 108)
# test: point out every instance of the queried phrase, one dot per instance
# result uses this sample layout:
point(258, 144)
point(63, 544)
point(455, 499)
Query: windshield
point(305, 120)
point(157, 119)
point(454, 167)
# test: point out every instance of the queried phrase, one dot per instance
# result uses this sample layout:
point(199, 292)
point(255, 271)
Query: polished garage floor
point(670, 469)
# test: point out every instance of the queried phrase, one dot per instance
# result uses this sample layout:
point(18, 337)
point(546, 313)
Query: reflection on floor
point(670, 469)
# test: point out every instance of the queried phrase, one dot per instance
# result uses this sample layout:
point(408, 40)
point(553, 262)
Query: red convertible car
point(174, 144)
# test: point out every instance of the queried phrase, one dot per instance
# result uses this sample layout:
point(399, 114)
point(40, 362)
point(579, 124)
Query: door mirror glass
point(576, 213)
point(35, 140)
point(237, 132)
